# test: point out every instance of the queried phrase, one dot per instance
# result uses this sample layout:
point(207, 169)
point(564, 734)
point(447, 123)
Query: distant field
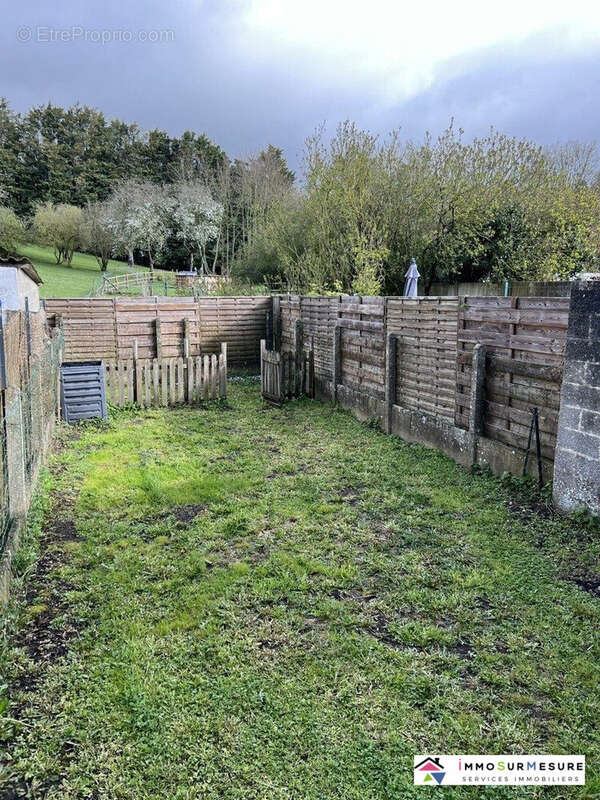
point(77, 280)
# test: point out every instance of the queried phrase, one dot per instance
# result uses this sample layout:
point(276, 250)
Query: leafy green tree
point(11, 230)
point(61, 227)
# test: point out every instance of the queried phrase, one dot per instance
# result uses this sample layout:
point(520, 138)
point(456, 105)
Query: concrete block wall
point(577, 456)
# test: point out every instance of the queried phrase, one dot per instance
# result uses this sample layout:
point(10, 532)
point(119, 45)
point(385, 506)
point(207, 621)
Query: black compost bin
point(82, 394)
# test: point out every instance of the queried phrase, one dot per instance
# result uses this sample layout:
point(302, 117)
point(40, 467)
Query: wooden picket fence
point(168, 381)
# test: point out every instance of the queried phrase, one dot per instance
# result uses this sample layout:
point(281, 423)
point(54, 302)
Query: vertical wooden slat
point(172, 394)
point(180, 381)
point(155, 381)
point(190, 380)
point(206, 378)
point(122, 366)
point(223, 370)
point(138, 382)
point(164, 383)
point(197, 379)
point(148, 382)
point(213, 377)
point(130, 384)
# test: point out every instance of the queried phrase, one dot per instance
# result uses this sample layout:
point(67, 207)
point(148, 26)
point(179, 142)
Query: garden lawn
point(250, 602)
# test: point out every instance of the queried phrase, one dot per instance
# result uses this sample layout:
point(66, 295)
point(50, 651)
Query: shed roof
point(21, 263)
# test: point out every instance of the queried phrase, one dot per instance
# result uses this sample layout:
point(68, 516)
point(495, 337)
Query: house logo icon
point(429, 771)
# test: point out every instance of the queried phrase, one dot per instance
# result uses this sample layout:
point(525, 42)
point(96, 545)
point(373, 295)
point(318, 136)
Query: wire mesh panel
point(28, 410)
point(4, 496)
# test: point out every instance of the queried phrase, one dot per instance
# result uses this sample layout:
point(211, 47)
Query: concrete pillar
point(337, 359)
point(477, 398)
point(391, 350)
point(577, 456)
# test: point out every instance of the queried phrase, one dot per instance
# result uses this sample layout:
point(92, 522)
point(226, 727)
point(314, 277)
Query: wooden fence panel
point(425, 352)
point(162, 327)
point(363, 344)
point(526, 339)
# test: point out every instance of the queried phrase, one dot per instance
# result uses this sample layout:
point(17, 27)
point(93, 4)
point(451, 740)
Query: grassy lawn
point(249, 602)
point(77, 280)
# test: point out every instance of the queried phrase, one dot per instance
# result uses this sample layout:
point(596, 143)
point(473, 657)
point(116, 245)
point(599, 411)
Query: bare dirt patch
point(591, 584)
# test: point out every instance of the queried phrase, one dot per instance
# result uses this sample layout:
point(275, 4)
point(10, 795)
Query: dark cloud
point(243, 97)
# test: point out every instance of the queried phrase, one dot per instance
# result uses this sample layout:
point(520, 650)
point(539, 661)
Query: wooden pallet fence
point(168, 381)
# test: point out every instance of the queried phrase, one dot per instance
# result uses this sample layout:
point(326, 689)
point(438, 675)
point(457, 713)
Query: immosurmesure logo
point(499, 770)
point(429, 771)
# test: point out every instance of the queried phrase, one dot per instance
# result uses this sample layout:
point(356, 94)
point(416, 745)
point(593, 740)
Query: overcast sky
point(253, 72)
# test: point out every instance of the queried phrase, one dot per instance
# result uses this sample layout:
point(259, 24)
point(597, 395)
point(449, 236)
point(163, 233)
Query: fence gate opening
point(285, 375)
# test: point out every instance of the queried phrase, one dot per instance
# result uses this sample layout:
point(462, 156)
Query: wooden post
point(391, 350)
point(157, 338)
point(337, 358)
point(311, 370)
point(186, 338)
point(199, 318)
point(477, 398)
point(276, 321)
point(223, 370)
point(206, 378)
point(213, 377)
point(269, 338)
point(190, 380)
point(136, 376)
point(263, 348)
point(298, 371)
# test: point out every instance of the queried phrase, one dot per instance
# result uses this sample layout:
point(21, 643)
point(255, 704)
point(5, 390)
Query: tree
point(138, 215)
point(98, 232)
point(196, 219)
point(488, 209)
point(11, 230)
point(60, 227)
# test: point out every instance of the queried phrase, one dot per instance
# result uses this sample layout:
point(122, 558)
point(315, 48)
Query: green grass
point(79, 279)
point(284, 603)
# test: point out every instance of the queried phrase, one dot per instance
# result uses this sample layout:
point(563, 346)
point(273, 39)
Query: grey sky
point(250, 72)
